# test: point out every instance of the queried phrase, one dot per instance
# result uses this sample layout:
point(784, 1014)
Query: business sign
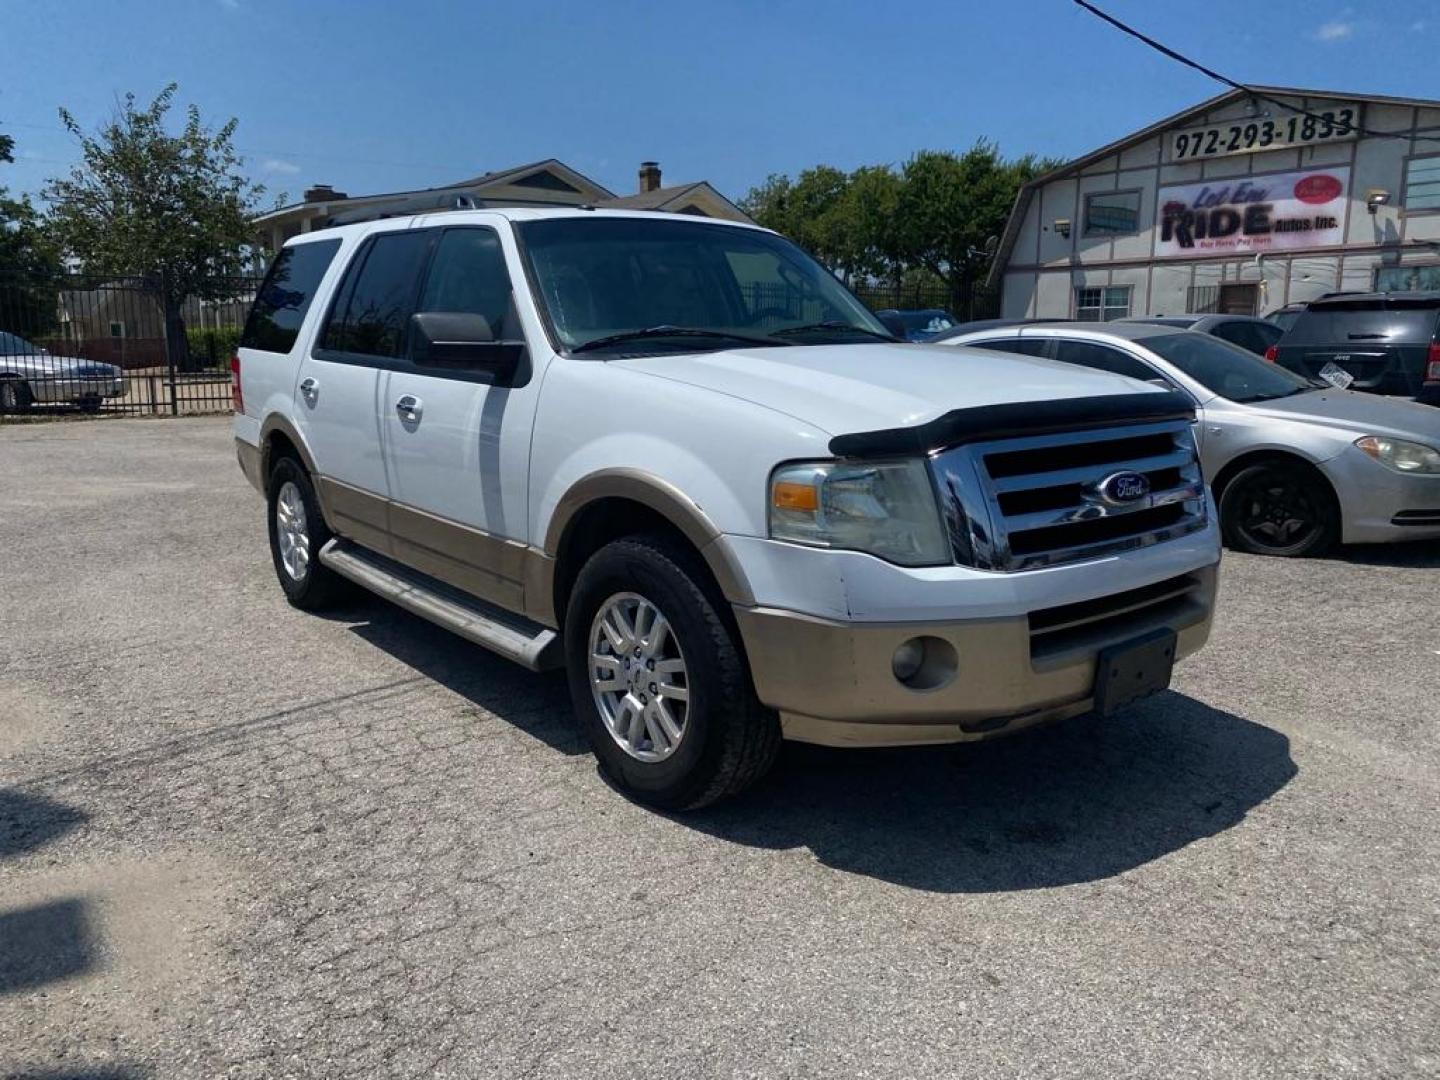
point(1253, 213)
point(1249, 136)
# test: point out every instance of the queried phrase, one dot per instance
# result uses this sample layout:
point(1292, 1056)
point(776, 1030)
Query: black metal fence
point(87, 345)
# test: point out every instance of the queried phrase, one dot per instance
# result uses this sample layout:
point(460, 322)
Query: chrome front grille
point(1021, 503)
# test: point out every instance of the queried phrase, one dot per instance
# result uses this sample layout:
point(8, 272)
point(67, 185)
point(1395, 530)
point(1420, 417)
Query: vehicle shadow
point(44, 943)
point(31, 821)
point(538, 705)
point(1414, 553)
point(1079, 801)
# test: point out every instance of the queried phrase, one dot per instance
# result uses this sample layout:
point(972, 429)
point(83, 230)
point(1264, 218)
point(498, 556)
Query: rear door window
point(1024, 346)
point(378, 296)
point(285, 296)
point(1103, 358)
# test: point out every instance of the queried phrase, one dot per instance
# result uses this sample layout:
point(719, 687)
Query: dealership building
point(1247, 202)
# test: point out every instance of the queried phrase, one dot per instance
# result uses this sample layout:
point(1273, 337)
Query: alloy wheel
point(292, 531)
point(638, 677)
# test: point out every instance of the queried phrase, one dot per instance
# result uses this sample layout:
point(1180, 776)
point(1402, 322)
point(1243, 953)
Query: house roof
point(498, 178)
point(1022, 198)
point(666, 198)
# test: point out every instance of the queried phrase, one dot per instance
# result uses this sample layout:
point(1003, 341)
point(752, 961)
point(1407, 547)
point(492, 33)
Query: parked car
point(680, 459)
point(1285, 317)
point(1251, 334)
point(1295, 464)
point(919, 325)
point(1382, 343)
point(30, 375)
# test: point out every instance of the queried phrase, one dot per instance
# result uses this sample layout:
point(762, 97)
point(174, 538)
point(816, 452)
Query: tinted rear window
point(379, 303)
point(285, 296)
point(1342, 323)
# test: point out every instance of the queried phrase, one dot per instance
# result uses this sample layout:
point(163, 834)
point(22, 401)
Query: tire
point(1279, 508)
point(296, 552)
point(727, 740)
point(15, 396)
point(89, 404)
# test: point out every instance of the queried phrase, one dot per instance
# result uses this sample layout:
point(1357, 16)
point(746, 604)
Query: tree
point(949, 208)
point(170, 211)
point(931, 221)
point(29, 263)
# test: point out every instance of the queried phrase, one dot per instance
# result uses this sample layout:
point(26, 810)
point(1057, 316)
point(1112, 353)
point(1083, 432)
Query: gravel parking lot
point(236, 840)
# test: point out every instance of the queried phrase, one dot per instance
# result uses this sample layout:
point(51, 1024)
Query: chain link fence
point(86, 345)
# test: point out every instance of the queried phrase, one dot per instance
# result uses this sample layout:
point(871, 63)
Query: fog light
point(924, 663)
point(907, 659)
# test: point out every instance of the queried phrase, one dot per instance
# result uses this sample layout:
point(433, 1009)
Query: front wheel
point(1275, 508)
point(658, 682)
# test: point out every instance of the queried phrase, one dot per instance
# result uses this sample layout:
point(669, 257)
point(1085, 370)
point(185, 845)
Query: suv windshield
point(1340, 322)
point(1226, 369)
point(627, 280)
point(15, 345)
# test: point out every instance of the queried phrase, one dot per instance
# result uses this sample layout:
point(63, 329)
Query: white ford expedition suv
point(680, 459)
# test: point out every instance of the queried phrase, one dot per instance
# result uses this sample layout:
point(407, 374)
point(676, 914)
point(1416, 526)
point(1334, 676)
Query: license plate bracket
point(1134, 669)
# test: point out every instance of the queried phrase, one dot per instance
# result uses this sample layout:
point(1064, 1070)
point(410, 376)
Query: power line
point(1161, 47)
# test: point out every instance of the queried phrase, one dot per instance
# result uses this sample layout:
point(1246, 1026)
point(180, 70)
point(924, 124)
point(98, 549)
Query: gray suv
point(1381, 343)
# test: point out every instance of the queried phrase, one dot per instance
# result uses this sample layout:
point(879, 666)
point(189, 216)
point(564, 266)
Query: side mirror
point(895, 326)
point(462, 341)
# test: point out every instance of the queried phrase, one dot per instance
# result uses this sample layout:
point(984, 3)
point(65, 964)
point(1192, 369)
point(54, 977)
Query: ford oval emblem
point(1123, 488)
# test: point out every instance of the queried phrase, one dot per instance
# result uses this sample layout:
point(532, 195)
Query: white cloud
point(275, 165)
point(230, 5)
point(1334, 30)
point(1418, 26)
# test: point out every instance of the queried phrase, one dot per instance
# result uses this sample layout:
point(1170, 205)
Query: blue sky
point(373, 96)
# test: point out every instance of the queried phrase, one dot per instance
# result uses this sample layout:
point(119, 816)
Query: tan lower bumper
point(249, 457)
point(833, 684)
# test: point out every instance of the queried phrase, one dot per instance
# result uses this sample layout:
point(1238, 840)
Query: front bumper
point(65, 391)
point(833, 684)
point(1380, 504)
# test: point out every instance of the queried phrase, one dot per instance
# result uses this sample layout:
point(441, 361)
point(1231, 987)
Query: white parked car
point(680, 459)
point(1296, 464)
point(29, 376)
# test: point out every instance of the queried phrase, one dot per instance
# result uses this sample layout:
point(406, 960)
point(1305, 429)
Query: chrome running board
point(512, 636)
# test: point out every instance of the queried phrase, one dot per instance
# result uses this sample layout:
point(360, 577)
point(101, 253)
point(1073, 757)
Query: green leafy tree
point(952, 208)
point(934, 221)
point(168, 210)
point(30, 264)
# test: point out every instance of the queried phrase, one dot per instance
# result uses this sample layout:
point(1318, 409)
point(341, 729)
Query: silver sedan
point(1296, 466)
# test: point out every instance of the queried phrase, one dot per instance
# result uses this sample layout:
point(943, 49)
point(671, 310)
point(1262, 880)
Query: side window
point(1252, 336)
point(1025, 346)
point(377, 296)
point(284, 297)
point(1103, 358)
point(468, 275)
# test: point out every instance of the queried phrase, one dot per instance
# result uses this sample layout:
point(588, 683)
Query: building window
point(1112, 213)
point(1407, 278)
point(1422, 184)
point(117, 329)
point(1102, 304)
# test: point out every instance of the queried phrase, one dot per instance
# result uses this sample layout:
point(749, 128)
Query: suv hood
point(1363, 414)
point(847, 388)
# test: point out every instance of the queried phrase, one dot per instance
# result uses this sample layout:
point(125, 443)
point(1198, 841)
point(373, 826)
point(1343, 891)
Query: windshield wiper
point(832, 324)
point(670, 331)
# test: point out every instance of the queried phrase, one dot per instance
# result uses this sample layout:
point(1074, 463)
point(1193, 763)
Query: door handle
point(310, 389)
point(409, 407)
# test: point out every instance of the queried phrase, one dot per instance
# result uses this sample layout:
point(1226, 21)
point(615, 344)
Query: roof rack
point(430, 202)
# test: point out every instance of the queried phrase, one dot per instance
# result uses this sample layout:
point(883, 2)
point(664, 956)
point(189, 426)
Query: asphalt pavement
point(241, 841)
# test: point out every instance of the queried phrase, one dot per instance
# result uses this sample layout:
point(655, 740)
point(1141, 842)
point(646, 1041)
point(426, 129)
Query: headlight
point(1402, 456)
point(886, 508)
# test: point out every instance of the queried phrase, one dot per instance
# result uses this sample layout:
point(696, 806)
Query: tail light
point(237, 395)
point(1432, 364)
point(1272, 353)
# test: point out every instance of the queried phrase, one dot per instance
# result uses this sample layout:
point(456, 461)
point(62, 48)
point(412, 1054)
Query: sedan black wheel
point(15, 396)
point(1279, 509)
